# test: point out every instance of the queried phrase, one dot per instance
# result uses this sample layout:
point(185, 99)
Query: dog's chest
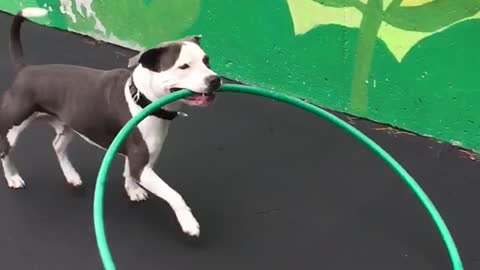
point(153, 129)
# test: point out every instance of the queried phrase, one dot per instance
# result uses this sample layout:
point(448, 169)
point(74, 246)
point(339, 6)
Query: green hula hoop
point(111, 153)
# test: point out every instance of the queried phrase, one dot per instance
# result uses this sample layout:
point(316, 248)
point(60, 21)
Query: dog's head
point(177, 65)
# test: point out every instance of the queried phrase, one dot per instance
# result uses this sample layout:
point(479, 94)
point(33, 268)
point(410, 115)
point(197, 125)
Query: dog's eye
point(206, 61)
point(184, 66)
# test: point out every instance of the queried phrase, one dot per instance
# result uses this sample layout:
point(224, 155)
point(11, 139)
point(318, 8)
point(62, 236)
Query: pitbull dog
point(96, 104)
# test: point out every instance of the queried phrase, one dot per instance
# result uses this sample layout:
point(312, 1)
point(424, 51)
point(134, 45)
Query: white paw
point(74, 180)
point(136, 193)
point(16, 182)
point(188, 222)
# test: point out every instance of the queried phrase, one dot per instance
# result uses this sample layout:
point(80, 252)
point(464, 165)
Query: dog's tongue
point(199, 99)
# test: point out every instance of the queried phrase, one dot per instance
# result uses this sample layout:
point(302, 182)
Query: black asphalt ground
point(272, 186)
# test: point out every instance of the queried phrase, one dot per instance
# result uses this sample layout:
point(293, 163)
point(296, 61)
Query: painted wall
point(410, 63)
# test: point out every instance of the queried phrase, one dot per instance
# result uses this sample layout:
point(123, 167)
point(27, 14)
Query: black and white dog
point(96, 104)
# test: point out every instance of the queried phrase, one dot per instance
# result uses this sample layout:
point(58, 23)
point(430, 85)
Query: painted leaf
point(414, 3)
point(410, 22)
point(405, 22)
point(401, 24)
point(341, 3)
point(431, 16)
point(308, 14)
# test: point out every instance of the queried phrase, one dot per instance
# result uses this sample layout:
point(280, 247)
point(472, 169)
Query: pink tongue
point(199, 99)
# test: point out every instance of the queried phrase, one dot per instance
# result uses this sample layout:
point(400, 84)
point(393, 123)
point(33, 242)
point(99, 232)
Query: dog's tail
point(16, 50)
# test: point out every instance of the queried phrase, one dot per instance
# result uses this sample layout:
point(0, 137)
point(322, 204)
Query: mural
point(131, 23)
point(409, 63)
point(400, 24)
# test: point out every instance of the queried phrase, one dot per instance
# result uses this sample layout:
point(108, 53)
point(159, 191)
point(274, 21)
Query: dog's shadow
point(77, 192)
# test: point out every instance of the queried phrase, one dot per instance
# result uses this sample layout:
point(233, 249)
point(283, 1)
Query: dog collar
point(142, 101)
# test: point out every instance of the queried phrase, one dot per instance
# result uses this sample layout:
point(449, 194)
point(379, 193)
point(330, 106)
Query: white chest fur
point(153, 129)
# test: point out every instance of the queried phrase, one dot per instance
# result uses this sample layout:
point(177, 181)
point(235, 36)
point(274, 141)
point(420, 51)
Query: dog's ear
point(160, 58)
point(195, 39)
point(150, 59)
point(133, 61)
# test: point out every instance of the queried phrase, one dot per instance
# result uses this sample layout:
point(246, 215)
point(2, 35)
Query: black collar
point(142, 101)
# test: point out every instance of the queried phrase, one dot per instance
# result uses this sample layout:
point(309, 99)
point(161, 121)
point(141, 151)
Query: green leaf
point(432, 16)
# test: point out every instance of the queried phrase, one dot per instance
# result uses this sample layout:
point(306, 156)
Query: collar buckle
point(136, 96)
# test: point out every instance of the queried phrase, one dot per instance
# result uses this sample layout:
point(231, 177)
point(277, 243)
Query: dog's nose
point(214, 83)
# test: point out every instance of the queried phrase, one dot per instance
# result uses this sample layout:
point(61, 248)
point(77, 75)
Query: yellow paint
point(400, 41)
point(307, 14)
point(414, 3)
point(386, 3)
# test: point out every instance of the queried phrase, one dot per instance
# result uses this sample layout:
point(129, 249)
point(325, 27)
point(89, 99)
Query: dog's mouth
point(197, 99)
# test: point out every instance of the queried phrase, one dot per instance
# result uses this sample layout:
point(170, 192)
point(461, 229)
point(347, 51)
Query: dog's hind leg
point(15, 131)
point(15, 115)
point(64, 136)
point(14, 180)
point(134, 190)
point(11, 173)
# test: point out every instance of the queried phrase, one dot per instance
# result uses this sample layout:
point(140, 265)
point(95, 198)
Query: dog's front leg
point(152, 182)
point(135, 192)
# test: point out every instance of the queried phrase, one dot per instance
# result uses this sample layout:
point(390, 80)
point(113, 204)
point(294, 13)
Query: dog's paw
point(136, 193)
point(15, 182)
point(75, 181)
point(188, 222)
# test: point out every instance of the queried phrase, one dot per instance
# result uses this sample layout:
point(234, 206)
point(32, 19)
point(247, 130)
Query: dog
point(96, 104)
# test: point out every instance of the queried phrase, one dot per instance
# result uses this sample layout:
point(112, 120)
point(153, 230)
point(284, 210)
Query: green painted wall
point(410, 63)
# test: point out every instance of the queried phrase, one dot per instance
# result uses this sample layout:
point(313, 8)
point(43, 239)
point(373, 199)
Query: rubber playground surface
point(273, 187)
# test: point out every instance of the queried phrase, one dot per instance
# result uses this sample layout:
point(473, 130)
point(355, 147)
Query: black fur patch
point(194, 39)
point(206, 61)
point(162, 58)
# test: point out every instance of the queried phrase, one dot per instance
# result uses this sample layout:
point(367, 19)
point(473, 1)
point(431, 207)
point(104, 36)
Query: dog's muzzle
point(214, 83)
point(202, 99)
